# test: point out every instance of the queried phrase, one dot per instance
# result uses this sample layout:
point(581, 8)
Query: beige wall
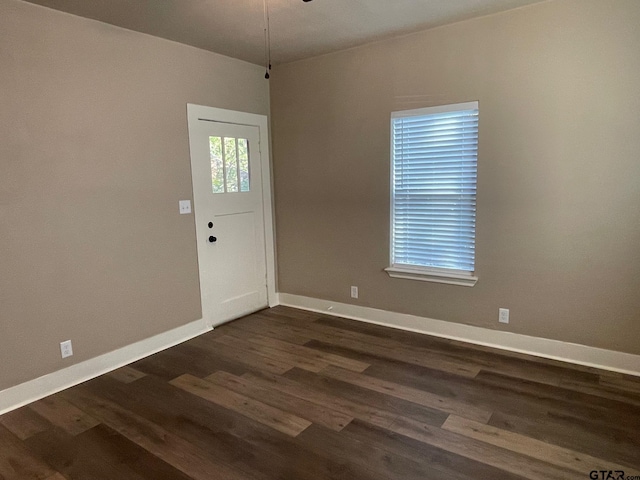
point(94, 157)
point(558, 222)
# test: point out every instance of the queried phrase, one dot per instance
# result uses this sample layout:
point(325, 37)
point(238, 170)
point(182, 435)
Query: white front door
point(227, 177)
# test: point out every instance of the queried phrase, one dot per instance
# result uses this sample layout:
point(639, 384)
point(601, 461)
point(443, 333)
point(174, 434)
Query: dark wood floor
point(286, 394)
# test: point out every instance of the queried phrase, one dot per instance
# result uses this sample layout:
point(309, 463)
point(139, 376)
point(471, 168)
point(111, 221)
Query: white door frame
point(196, 113)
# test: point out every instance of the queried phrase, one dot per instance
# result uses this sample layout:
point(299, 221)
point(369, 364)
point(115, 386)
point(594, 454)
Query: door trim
point(196, 113)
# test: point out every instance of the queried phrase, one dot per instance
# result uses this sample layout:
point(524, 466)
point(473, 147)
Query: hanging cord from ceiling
point(267, 40)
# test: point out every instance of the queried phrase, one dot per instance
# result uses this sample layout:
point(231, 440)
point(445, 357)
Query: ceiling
point(298, 30)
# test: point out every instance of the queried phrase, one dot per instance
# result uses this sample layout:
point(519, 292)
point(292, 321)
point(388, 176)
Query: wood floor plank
point(380, 464)
point(558, 456)
point(451, 464)
point(100, 454)
point(175, 451)
point(547, 371)
point(500, 458)
point(254, 325)
point(427, 379)
point(259, 349)
point(261, 412)
point(191, 357)
point(24, 423)
point(343, 405)
point(126, 374)
point(507, 394)
point(78, 459)
point(63, 414)
point(623, 383)
point(315, 413)
point(381, 347)
point(18, 463)
point(300, 351)
point(594, 408)
point(229, 437)
point(604, 391)
point(406, 354)
point(410, 394)
point(377, 401)
point(609, 443)
point(282, 312)
point(253, 360)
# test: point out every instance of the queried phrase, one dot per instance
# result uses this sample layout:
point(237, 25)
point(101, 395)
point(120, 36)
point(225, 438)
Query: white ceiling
point(298, 30)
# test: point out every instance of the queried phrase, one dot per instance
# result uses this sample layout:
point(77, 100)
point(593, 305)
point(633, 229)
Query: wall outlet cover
point(185, 207)
point(66, 349)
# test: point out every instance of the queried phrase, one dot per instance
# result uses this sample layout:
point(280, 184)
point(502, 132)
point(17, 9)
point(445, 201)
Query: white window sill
point(432, 275)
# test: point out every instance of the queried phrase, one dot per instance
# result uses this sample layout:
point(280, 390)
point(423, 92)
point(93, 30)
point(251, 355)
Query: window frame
point(417, 272)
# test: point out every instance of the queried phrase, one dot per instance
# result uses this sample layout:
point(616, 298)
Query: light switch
point(185, 207)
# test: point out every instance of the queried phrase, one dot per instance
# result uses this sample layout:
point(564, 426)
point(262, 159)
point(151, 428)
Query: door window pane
point(229, 164)
point(243, 160)
point(217, 167)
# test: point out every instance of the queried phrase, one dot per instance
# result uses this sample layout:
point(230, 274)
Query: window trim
point(422, 273)
point(432, 274)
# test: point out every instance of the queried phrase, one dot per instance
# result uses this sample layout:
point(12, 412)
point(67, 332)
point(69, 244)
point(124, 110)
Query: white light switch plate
point(185, 207)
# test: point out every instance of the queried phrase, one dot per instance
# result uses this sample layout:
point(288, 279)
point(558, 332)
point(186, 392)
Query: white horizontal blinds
point(434, 187)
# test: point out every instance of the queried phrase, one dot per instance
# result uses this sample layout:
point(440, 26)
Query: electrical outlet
point(66, 350)
point(185, 207)
point(503, 315)
point(354, 292)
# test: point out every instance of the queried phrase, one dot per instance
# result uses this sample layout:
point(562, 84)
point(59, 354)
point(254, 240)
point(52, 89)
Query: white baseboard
point(15, 397)
point(274, 300)
point(540, 347)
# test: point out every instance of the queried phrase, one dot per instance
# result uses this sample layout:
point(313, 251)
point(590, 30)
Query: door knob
point(212, 239)
point(210, 224)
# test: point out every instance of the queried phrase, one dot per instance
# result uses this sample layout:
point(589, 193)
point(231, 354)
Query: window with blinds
point(434, 169)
